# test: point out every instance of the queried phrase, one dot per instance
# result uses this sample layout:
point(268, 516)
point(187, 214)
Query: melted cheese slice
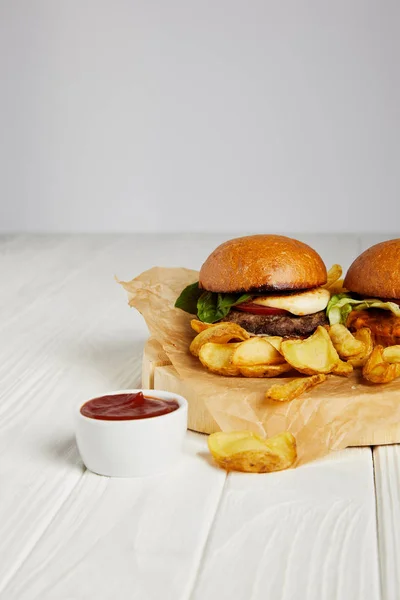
point(303, 303)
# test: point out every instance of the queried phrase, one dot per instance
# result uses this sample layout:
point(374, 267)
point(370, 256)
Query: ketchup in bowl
point(126, 407)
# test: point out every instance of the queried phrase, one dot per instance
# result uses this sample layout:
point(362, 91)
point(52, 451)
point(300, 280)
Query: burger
point(373, 294)
point(267, 284)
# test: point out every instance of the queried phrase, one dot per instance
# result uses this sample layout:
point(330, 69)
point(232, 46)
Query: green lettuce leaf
point(212, 307)
point(340, 306)
point(188, 298)
point(209, 306)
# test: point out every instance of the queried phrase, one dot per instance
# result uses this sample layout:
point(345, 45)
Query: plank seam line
point(202, 558)
point(378, 545)
point(19, 564)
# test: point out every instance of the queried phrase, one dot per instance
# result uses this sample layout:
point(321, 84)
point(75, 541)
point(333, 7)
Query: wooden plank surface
point(126, 538)
point(74, 338)
point(387, 482)
point(67, 334)
point(308, 533)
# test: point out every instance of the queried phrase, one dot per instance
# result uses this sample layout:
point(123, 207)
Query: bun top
point(262, 262)
point(376, 272)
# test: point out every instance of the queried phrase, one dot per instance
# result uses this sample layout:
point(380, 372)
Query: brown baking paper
point(340, 412)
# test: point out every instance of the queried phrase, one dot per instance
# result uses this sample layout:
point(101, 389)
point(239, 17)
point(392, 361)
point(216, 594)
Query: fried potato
point(337, 287)
point(274, 340)
point(377, 370)
point(334, 274)
point(219, 334)
point(342, 368)
point(345, 343)
point(199, 326)
point(364, 335)
point(256, 351)
point(313, 355)
point(246, 451)
point(391, 354)
point(265, 370)
point(293, 389)
point(218, 358)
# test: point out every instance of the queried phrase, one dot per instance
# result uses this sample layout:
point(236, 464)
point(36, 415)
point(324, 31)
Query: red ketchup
point(126, 407)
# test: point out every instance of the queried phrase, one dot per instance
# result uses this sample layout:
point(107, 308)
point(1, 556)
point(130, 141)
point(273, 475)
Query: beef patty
point(283, 325)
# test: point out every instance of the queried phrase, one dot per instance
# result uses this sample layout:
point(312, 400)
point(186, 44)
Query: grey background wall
point(219, 115)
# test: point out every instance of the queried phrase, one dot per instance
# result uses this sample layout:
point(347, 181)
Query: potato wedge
point(265, 370)
point(337, 287)
point(345, 343)
point(218, 358)
point(199, 326)
point(364, 335)
point(274, 340)
point(342, 368)
point(256, 351)
point(377, 370)
point(313, 355)
point(391, 354)
point(219, 334)
point(333, 275)
point(293, 389)
point(246, 451)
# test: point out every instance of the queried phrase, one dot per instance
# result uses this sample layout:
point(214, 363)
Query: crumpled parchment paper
point(340, 412)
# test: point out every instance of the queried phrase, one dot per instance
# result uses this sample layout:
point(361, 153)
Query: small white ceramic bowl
point(133, 448)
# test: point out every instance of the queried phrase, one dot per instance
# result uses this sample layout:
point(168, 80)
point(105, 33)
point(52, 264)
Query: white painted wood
point(42, 380)
point(66, 333)
point(308, 533)
point(77, 338)
point(387, 482)
point(134, 538)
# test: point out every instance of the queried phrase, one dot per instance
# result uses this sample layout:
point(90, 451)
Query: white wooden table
point(328, 530)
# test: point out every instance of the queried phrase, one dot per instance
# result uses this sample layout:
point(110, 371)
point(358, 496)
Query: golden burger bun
point(376, 272)
point(262, 262)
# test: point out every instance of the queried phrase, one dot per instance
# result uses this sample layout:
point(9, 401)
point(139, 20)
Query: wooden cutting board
point(159, 374)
